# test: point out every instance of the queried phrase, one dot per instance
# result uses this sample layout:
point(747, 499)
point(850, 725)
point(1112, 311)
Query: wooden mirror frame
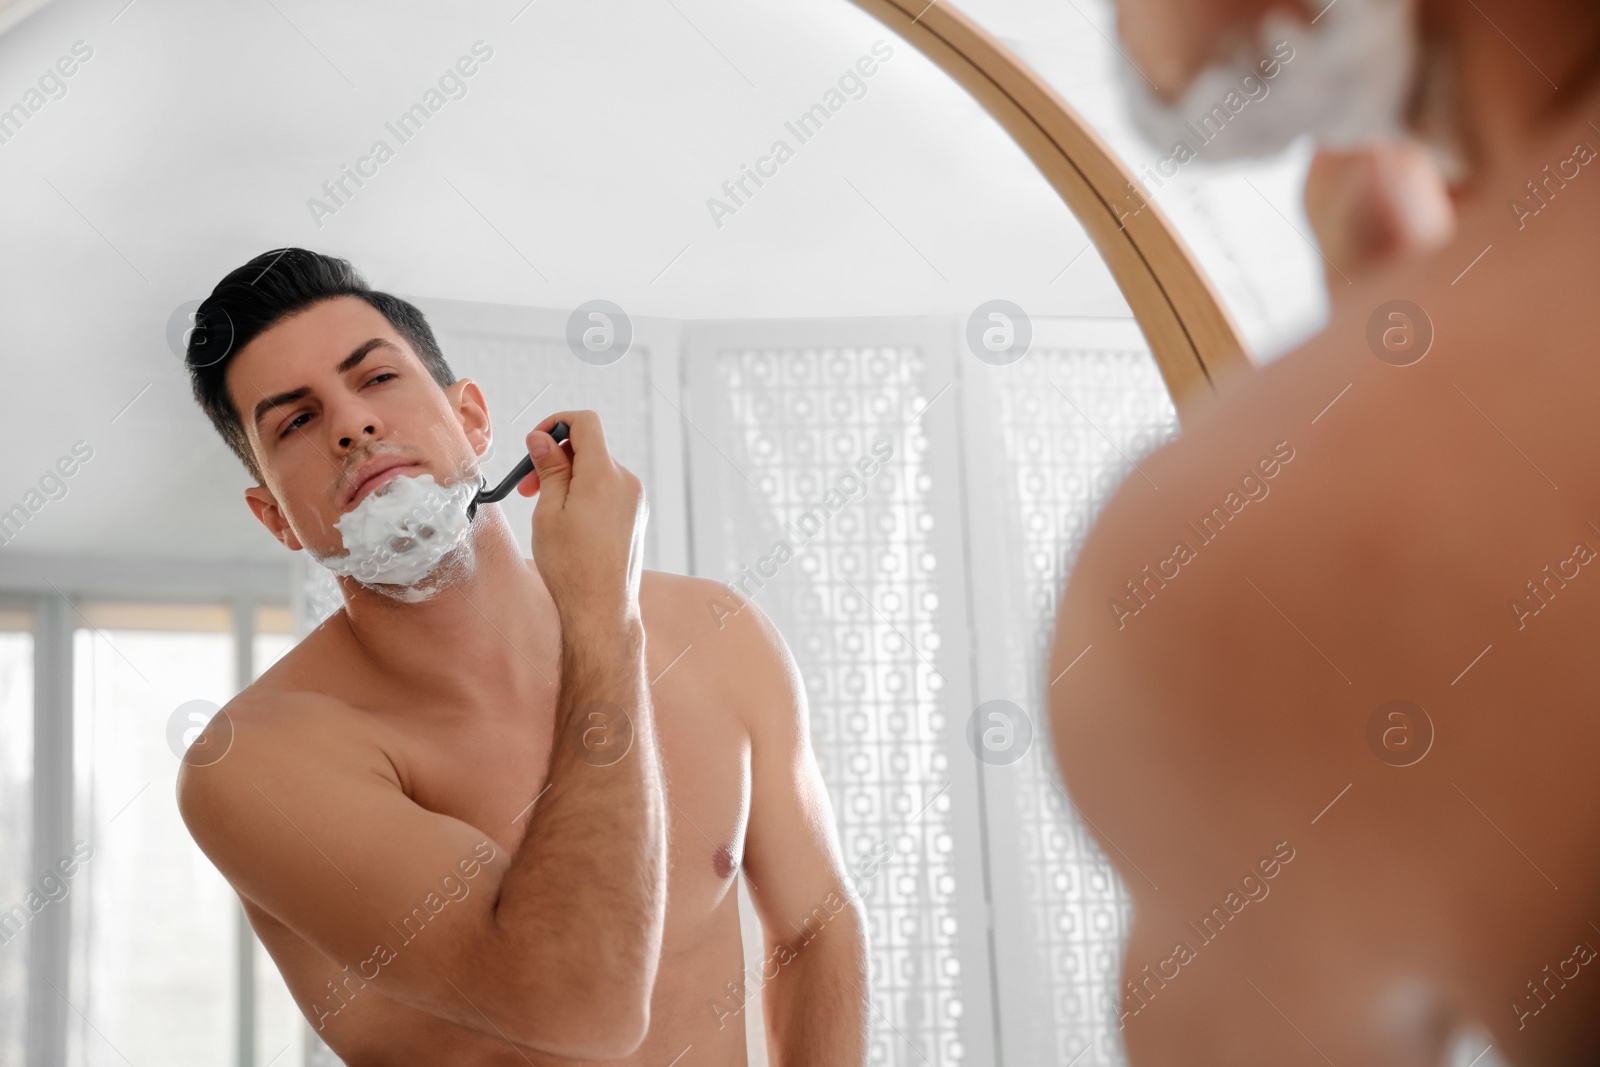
point(1194, 340)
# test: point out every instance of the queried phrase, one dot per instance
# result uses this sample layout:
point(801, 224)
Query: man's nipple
point(722, 862)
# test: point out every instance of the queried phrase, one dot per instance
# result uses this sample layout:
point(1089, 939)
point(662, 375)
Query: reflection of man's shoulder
point(677, 603)
point(271, 707)
point(298, 692)
point(680, 614)
point(710, 632)
point(301, 669)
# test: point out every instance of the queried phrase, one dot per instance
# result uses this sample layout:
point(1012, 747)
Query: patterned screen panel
point(821, 450)
point(1070, 423)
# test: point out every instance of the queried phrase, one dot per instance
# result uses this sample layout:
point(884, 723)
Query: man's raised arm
point(556, 950)
point(590, 880)
point(814, 975)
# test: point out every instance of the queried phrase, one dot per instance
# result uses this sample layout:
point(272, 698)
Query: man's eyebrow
point(353, 359)
point(361, 353)
point(278, 400)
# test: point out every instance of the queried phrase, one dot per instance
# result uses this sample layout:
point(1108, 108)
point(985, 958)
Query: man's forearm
point(585, 897)
point(816, 1008)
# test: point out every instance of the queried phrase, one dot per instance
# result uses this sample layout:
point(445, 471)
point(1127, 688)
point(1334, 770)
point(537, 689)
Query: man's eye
point(381, 377)
point(294, 423)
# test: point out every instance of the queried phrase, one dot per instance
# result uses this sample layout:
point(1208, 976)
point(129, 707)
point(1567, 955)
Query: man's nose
point(354, 424)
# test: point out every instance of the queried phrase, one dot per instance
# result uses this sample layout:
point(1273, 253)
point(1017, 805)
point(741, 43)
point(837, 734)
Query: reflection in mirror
point(16, 811)
point(872, 373)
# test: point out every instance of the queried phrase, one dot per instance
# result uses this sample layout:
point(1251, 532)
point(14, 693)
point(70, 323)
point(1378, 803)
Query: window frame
point(55, 589)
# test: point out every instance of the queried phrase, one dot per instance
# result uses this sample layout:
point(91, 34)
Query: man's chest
point(492, 773)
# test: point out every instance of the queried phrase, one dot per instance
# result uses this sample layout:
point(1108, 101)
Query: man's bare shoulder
point(1310, 494)
point(288, 697)
point(1435, 416)
point(697, 609)
point(274, 728)
point(297, 693)
point(734, 645)
point(1344, 518)
point(679, 600)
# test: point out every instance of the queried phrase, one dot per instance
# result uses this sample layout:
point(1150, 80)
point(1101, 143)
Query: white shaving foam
point(1346, 84)
point(402, 531)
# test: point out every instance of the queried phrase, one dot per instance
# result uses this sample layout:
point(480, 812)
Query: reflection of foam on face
point(404, 533)
point(1347, 83)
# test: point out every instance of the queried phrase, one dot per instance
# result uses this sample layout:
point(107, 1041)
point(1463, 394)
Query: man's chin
point(451, 571)
point(455, 566)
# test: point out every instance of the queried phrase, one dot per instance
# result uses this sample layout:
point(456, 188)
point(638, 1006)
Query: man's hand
point(588, 526)
point(1374, 205)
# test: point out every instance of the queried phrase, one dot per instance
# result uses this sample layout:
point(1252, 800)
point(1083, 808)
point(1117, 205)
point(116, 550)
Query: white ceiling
point(577, 166)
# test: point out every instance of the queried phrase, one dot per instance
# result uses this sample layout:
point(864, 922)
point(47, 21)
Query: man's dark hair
point(257, 296)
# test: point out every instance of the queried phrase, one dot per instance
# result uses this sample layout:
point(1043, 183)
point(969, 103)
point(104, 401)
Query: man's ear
point(466, 399)
point(265, 507)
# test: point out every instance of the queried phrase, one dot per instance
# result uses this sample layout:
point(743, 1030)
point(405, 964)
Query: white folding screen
point(1048, 439)
point(997, 927)
point(929, 504)
point(873, 607)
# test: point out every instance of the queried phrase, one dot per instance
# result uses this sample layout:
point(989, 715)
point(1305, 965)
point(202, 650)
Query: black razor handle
point(519, 472)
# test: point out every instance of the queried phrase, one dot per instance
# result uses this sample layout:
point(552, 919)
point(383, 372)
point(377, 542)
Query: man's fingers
point(548, 455)
point(585, 436)
point(552, 470)
point(1377, 203)
point(529, 485)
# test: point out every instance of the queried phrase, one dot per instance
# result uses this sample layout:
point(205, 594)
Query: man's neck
point(1511, 87)
point(487, 627)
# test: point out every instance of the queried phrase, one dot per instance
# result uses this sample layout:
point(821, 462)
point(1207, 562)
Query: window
point(16, 815)
point(153, 922)
point(278, 1024)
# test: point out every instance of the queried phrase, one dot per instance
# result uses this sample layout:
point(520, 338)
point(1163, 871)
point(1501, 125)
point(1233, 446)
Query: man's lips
point(375, 475)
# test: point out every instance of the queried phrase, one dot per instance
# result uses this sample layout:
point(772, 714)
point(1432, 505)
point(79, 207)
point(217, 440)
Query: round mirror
point(877, 318)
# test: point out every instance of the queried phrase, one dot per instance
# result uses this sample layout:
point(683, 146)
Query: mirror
point(768, 243)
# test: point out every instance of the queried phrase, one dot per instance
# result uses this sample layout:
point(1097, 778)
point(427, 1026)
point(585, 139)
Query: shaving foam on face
point(400, 532)
point(1344, 80)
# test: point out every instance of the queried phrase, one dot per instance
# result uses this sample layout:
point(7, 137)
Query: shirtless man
point(502, 824)
point(1321, 876)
